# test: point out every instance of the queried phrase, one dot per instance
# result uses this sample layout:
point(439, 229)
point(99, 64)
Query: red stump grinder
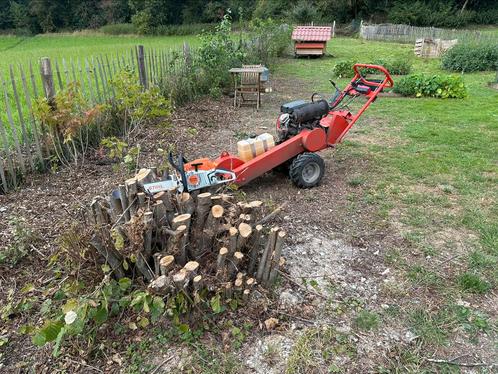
point(303, 128)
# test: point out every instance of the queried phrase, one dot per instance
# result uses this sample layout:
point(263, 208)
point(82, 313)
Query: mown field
point(432, 174)
point(22, 50)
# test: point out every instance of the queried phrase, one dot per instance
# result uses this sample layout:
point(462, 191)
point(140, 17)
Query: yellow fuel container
point(252, 147)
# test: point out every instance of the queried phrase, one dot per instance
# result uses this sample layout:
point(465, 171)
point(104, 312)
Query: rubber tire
point(297, 167)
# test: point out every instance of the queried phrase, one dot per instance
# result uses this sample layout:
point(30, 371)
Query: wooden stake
point(220, 262)
point(174, 245)
point(148, 221)
point(197, 282)
point(124, 202)
point(236, 261)
point(131, 191)
point(157, 261)
point(180, 279)
point(245, 295)
point(182, 220)
point(186, 203)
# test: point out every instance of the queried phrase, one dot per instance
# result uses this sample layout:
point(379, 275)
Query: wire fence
point(23, 146)
point(409, 34)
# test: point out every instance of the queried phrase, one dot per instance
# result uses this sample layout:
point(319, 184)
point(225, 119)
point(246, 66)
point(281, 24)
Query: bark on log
point(220, 261)
point(157, 264)
point(116, 207)
point(175, 245)
point(254, 248)
point(191, 268)
point(141, 200)
point(197, 282)
point(131, 191)
point(143, 267)
point(265, 261)
point(232, 246)
point(182, 220)
point(124, 202)
point(276, 256)
point(236, 262)
point(211, 228)
point(148, 222)
point(228, 290)
point(245, 295)
point(186, 203)
point(181, 280)
point(202, 211)
point(110, 255)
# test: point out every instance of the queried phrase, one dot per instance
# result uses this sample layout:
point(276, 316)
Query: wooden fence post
point(333, 29)
point(141, 67)
point(186, 54)
point(47, 79)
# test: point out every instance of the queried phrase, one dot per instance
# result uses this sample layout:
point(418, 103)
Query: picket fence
point(408, 34)
point(23, 148)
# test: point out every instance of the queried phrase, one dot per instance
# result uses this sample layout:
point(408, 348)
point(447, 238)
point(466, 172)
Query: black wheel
point(306, 170)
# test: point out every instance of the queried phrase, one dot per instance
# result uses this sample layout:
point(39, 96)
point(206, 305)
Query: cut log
point(238, 284)
point(265, 260)
point(181, 280)
point(211, 228)
point(228, 290)
point(97, 212)
point(144, 176)
point(160, 286)
point(116, 207)
point(232, 246)
point(245, 295)
point(216, 200)
point(131, 191)
point(124, 202)
point(245, 232)
point(143, 267)
point(148, 222)
point(157, 263)
point(202, 210)
point(175, 245)
point(160, 214)
point(182, 220)
point(110, 255)
point(236, 262)
point(166, 264)
point(141, 200)
point(254, 248)
point(186, 203)
point(220, 261)
point(250, 283)
point(197, 282)
point(191, 268)
point(276, 256)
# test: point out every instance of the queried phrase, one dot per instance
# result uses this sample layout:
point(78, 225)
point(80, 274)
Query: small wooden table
point(250, 82)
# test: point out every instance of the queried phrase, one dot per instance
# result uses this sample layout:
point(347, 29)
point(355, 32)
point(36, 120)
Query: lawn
point(432, 174)
point(22, 50)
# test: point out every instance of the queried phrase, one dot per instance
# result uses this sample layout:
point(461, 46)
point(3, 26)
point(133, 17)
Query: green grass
point(22, 50)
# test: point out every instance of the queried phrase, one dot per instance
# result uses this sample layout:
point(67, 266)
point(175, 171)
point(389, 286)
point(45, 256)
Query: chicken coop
point(311, 40)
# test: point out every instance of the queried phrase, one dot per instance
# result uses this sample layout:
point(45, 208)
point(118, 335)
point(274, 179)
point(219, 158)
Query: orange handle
point(382, 69)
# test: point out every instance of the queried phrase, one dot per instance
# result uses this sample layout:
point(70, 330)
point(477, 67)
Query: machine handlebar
point(381, 69)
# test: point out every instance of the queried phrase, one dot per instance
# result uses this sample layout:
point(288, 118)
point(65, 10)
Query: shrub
point(267, 40)
point(304, 12)
point(119, 29)
point(343, 69)
point(440, 86)
point(186, 29)
point(471, 57)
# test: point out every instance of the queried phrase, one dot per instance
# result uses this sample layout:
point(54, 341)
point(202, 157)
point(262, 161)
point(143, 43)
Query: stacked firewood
point(182, 242)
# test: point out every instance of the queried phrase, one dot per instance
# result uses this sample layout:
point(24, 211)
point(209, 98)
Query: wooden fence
point(23, 148)
point(408, 34)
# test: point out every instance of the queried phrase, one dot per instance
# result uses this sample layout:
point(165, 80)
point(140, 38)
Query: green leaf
point(144, 322)
point(48, 332)
point(124, 283)
point(216, 304)
point(100, 316)
point(183, 328)
point(58, 342)
point(157, 308)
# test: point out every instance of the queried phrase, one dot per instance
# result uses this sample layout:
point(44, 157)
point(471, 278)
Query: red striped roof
point(312, 33)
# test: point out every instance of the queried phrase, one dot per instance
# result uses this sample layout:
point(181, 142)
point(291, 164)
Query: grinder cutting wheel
point(303, 128)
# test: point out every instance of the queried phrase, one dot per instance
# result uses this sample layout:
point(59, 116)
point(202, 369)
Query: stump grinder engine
point(303, 129)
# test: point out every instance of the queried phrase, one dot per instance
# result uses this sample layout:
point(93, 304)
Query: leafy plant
point(23, 237)
point(343, 69)
point(68, 120)
point(440, 86)
point(133, 106)
point(118, 150)
point(468, 57)
point(366, 320)
point(473, 283)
